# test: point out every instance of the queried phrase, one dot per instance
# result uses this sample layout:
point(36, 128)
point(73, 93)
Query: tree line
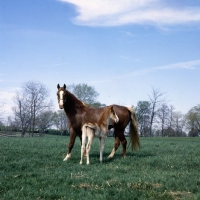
point(156, 117)
point(33, 111)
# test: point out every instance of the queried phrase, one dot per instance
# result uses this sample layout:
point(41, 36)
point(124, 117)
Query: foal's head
point(61, 95)
point(113, 116)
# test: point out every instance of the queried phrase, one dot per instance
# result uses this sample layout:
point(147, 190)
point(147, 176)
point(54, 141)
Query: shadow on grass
point(140, 155)
point(118, 156)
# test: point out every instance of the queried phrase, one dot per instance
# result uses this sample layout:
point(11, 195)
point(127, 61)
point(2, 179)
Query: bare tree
point(163, 115)
point(179, 123)
point(1, 123)
point(30, 102)
point(44, 120)
point(60, 121)
point(2, 104)
point(170, 128)
point(37, 99)
point(13, 123)
point(21, 112)
point(155, 99)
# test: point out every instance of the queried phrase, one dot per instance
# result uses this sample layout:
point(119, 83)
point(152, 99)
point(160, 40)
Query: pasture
point(164, 168)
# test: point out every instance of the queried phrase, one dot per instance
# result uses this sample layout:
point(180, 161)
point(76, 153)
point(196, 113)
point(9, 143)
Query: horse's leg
point(102, 141)
point(71, 144)
point(124, 143)
point(83, 146)
point(80, 137)
point(116, 145)
point(90, 138)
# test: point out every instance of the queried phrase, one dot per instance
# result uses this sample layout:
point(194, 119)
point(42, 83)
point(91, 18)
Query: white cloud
point(189, 65)
point(121, 12)
point(128, 34)
point(182, 65)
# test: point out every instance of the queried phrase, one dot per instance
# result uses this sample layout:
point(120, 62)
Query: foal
point(99, 129)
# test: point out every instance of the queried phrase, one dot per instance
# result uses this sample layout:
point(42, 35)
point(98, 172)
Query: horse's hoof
point(66, 158)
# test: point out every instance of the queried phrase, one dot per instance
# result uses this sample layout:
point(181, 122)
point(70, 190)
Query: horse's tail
point(133, 132)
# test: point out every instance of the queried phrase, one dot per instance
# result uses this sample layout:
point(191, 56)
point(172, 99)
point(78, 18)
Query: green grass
point(164, 168)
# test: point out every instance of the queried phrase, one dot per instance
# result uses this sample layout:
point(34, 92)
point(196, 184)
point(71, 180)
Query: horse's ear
point(58, 86)
point(112, 108)
point(64, 86)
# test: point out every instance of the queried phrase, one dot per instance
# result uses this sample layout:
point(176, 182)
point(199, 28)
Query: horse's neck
point(105, 122)
point(69, 108)
point(72, 103)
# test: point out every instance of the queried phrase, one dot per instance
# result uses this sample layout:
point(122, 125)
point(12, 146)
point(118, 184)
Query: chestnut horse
point(99, 129)
point(78, 113)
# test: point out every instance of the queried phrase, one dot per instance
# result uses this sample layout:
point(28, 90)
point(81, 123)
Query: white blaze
point(61, 98)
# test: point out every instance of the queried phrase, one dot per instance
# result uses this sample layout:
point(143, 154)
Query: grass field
point(164, 168)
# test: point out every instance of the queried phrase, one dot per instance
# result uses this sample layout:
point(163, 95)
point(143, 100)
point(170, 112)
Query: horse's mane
point(74, 99)
point(85, 104)
point(104, 115)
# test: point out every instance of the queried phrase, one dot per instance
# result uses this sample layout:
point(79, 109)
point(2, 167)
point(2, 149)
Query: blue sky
point(121, 47)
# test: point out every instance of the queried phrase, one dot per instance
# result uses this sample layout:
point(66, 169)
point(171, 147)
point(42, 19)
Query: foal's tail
point(133, 132)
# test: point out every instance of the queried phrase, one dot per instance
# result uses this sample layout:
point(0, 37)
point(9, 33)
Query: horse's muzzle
point(61, 106)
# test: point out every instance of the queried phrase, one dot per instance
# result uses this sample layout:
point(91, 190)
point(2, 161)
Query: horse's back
point(93, 114)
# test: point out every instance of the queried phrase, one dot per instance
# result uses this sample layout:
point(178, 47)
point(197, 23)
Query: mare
point(78, 113)
point(99, 129)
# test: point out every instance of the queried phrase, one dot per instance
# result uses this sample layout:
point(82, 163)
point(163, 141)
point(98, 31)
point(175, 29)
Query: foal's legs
point(90, 134)
point(102, 141)
point(83, 146)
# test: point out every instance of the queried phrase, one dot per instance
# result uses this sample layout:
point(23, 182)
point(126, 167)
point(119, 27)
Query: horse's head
point(61, 94)
point(113, 115)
